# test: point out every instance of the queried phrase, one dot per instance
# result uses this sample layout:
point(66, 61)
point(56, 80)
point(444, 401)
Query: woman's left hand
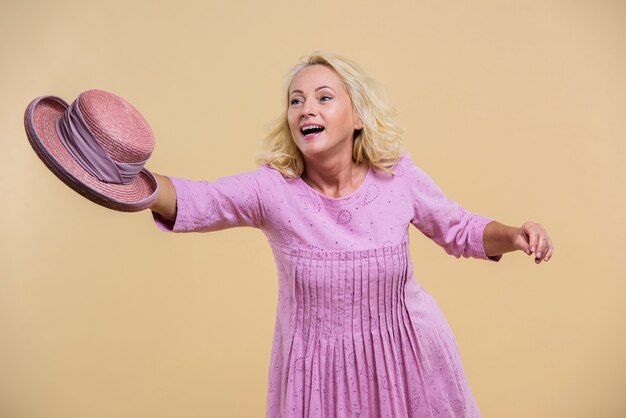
point(532, 238)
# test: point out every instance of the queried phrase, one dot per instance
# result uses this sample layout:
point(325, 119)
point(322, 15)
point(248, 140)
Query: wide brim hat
point(115, 127)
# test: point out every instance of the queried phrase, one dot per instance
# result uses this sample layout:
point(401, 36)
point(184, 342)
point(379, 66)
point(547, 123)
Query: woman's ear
point(358, 124)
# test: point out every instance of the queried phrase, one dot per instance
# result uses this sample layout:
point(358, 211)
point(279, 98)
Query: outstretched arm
point(165, 205)
point(531, 238)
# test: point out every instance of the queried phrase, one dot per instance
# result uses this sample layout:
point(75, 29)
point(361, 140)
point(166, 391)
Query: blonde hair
point(377, 143)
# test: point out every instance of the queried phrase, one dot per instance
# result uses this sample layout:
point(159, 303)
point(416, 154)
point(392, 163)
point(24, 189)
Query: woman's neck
point(334, 177)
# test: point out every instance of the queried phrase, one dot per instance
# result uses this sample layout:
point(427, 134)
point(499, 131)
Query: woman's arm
point(165, 204)
point(531, 238)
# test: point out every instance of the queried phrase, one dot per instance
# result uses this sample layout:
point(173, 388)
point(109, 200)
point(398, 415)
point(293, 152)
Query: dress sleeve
point(458, 231)
point(204, 206)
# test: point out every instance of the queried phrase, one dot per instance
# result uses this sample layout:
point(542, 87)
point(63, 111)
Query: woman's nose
point(308, 109)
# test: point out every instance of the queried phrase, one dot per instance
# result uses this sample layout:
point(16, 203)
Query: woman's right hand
point(165, 204)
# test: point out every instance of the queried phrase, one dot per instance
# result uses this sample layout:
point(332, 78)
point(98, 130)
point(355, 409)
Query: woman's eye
point(325, 98)
point(294, 102)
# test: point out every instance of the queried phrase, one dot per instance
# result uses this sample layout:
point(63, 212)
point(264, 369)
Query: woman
point(355, 334)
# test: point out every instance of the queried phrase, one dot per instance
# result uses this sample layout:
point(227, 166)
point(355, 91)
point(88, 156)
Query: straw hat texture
point(98, 146)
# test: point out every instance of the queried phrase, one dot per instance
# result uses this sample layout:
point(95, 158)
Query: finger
point(545, 252)
point(538, 258)
point(532, 240)
point(546, 249)
point(549, 252)
point(542, 241)
point(522, 239)
point(526, 248)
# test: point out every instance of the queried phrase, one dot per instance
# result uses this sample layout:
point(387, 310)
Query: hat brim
point(40, 122)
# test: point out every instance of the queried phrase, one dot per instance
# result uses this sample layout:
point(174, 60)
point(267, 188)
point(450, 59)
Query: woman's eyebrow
point(319, 88)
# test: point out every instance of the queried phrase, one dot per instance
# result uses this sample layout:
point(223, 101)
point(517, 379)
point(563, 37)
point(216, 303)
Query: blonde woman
point(356, 335)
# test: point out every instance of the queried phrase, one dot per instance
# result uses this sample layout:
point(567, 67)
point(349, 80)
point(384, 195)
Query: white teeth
point(310, 127)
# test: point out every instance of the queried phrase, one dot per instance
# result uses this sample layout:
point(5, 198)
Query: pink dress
point(355, 335)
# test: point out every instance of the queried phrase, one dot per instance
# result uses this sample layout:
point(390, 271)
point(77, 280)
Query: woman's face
point(320, 114)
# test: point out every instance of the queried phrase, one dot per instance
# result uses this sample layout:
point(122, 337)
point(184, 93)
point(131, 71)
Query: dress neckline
point(349, 196)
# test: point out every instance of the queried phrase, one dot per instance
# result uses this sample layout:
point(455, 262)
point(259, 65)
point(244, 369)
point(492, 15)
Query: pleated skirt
point(356, 336)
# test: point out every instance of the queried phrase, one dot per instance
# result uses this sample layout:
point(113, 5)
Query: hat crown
point(117, 126)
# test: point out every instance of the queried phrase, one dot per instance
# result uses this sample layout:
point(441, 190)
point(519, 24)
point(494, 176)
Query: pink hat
point(98, 146)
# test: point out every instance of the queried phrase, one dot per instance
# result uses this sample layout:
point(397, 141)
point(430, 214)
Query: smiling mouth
point(311, 131)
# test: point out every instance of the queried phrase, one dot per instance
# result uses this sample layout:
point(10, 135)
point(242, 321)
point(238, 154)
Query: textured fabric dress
point(355, 334)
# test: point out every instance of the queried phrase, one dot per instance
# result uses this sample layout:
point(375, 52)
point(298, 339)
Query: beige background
point(517, 109)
